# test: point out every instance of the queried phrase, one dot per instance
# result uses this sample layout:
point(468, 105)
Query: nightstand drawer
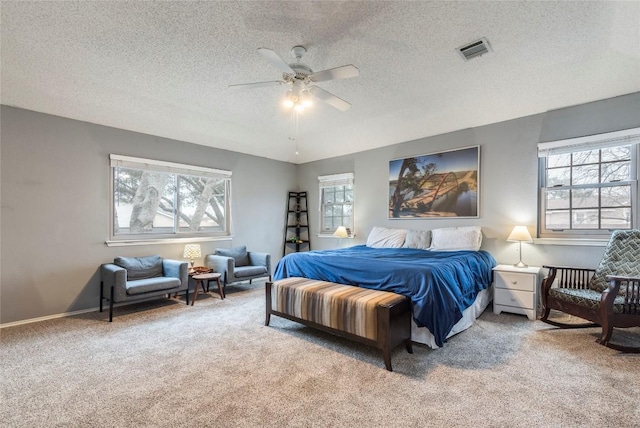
point(515, 281)
point(507, 297)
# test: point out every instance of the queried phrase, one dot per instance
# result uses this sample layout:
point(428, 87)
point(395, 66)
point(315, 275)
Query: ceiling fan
point(302, 80)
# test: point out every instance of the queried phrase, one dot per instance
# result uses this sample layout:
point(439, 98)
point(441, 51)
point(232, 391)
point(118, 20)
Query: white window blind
point(168, 167)
point(591, 142)
point(336, 180)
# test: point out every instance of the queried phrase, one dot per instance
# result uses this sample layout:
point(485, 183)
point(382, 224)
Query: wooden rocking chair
point(608, 296)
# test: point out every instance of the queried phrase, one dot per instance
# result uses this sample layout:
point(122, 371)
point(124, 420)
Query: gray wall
point(508, 178)
point(55, 207)
point(54, 193)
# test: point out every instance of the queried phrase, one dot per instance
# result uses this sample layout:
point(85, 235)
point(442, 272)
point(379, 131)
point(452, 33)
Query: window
point(589, 185)
point(159, 200)
point(336, 202)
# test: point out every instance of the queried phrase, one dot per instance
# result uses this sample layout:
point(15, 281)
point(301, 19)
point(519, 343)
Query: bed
point(448, 289)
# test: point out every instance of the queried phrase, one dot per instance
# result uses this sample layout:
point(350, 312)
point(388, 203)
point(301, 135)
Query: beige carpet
point(164, 364)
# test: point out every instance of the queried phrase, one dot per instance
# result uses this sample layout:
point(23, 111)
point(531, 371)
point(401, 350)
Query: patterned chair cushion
point(584, 297)
point(620, 258)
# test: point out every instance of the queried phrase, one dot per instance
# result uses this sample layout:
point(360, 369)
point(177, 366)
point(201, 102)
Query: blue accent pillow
point(239, 254)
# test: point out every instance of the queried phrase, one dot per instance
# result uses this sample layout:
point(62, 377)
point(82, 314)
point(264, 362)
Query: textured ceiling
point(163, 68)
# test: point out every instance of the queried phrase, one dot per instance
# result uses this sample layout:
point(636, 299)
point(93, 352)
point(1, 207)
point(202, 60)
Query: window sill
point(330, 235)
point(593, 242)
point(131, 242)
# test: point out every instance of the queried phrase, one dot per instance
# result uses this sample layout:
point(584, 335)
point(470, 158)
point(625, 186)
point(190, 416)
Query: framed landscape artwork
point(436, 185)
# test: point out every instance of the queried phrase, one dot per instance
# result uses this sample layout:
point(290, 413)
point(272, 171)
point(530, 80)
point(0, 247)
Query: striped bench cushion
point(343, 307)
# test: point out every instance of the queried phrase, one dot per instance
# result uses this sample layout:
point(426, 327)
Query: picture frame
point(437, 185)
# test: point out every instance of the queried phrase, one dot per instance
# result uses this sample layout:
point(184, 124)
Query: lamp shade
point(341, 232)
point(191, 251)
point(520, 234)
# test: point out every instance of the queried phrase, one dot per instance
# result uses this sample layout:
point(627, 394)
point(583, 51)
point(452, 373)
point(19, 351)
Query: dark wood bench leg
point(384, 317)
point(409, 345)
point(267, 289)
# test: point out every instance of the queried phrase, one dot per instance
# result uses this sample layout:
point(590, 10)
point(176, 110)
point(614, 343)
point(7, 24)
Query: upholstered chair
point(129, 279)
point(237, 264)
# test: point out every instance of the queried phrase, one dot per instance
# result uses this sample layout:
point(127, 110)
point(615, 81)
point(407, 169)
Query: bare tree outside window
point(149, 202)
point(589, 190)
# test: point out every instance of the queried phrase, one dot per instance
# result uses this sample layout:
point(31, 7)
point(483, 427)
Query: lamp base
point(520, 265)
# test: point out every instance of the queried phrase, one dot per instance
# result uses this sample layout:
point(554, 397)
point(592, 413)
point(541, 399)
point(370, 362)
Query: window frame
point(629, 137)
point(176, 169)
point(332, 181)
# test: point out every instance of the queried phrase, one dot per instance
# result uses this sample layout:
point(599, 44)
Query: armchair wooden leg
point(101, 288)
point(605, 336)
point(545, 314)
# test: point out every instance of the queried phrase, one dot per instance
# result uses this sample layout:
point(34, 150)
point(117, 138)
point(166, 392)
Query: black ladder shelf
point(296, 231)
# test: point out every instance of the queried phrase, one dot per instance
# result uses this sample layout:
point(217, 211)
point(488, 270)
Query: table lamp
point(191, 251)
point(341, 232)
point(520, 234)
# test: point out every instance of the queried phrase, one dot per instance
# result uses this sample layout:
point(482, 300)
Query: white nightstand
point(516, 290)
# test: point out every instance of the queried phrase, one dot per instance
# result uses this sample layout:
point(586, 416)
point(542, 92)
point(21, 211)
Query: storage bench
point(373, 317)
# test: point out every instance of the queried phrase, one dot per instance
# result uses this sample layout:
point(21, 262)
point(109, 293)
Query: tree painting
point(438, 185)
point(411, 179)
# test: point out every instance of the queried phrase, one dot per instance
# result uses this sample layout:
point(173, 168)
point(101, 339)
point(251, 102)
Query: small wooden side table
point(201, 279)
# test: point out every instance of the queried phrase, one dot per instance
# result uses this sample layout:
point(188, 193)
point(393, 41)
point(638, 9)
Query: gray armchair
point(136, 278)
point(237, 264)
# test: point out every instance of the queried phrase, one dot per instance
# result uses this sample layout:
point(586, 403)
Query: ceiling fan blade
point(344, 72)
point(329, 98)
point(258, 84)
point(274, 59)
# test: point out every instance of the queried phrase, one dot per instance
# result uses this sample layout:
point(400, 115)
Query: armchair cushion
point(247, 271)
point(239, 255)
point(140, 267)
point(148, 285)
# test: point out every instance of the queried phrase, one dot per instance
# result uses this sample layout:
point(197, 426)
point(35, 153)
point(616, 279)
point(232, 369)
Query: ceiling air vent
point(474, 49)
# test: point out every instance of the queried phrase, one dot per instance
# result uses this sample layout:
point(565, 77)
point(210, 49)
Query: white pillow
point(456, 238)
point(419, 239)
point(381, 237)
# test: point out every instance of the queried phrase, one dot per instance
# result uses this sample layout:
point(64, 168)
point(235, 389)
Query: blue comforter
point(441, 285)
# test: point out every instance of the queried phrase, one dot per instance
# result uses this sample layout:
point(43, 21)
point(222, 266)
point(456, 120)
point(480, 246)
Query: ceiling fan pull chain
point(294, 128)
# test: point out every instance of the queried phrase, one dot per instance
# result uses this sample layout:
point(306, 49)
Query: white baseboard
point(82, 311)
point(48, 317)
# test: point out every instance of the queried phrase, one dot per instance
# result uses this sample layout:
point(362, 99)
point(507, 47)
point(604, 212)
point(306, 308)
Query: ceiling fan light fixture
point(306, 98)
point(289, 99)
point(303, 92)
